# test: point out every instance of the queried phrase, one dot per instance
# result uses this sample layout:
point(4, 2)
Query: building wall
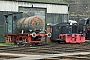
point(56, 13)
point(51, 8)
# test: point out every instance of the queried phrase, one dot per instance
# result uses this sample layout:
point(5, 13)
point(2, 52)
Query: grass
point(6, 44)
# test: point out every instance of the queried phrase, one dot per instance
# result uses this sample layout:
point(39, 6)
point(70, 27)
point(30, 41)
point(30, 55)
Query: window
point(57, 28)
point(65, 18)
point(63, 30)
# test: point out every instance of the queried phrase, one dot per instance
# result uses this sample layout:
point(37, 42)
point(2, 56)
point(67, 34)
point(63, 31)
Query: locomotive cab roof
point(63, 24)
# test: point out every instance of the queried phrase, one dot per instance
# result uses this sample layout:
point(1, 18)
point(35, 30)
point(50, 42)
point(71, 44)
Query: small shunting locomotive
point(68, 32)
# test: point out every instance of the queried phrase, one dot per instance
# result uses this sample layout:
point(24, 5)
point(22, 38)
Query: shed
point(51, 11)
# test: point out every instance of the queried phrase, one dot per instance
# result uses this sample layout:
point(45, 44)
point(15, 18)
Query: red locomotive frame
point(75, 38)
point(26, 37)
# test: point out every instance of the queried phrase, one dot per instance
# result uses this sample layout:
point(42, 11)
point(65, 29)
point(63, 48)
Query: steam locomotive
point(24, 30)
point(69, 32)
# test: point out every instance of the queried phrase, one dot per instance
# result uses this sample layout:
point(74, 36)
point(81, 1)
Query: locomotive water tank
point(28, 24)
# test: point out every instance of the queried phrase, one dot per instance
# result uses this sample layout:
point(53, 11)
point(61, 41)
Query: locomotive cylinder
point(29, 24)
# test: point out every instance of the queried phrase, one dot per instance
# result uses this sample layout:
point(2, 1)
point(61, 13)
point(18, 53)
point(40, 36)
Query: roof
point(45, 1)
point(59, 2)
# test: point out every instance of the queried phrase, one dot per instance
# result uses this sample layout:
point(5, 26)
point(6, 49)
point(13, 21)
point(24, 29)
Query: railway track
point(47, 49)
point(50, 49)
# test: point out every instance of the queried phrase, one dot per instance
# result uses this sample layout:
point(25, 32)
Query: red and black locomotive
point(68, 33)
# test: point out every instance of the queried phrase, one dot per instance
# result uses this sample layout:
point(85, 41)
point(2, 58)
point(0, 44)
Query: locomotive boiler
point(24, 30)
point(30, 24)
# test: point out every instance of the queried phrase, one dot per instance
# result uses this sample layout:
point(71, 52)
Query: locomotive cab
point(67, 32)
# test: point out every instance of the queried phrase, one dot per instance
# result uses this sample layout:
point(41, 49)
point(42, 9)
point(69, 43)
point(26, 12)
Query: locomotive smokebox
point(28, 24)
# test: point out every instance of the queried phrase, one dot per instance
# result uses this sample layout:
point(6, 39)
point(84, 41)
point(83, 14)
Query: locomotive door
point(55, 30)
point(8, 24)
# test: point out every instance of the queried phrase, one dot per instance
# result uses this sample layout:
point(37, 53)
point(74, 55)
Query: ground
point(49, 51)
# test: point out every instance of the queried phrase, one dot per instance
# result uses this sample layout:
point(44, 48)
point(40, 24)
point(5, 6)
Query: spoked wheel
point(15, 42)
